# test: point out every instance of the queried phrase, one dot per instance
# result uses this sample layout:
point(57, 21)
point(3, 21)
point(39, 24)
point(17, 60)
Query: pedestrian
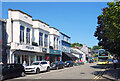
point(115, 61)
point(24, 63)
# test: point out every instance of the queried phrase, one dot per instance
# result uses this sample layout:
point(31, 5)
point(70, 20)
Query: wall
point(54, 33)
point(64, 44)
point(40, 27)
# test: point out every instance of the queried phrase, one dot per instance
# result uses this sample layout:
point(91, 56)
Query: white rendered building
point(23, 38)
point(54, 44)
point(79, 54)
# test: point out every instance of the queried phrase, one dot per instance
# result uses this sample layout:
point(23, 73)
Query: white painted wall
point(54, 33)
point(85, 49)
point(16, 15)
point(14, 21)
point(13, 29)
point(80, 52)
point(40, 27)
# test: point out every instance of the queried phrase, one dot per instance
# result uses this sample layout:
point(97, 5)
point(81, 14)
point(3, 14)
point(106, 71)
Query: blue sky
point(76, 19)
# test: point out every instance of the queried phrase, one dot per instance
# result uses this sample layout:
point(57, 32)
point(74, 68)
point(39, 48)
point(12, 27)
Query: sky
point(75, 19)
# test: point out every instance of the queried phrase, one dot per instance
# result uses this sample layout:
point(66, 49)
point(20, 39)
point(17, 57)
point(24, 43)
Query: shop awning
point(22, 52)
point(68, 56)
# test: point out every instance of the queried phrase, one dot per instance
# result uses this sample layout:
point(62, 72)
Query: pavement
point(111, 73)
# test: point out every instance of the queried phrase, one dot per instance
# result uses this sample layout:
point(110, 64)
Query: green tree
point(108, 29)
point(76, 44)
point(96, 47)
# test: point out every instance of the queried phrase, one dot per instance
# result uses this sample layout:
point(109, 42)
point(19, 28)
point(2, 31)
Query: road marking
point(99, 76)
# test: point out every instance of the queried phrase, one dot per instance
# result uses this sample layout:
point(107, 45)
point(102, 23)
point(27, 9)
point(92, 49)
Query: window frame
point(40, 39)
point(22, 28)
point(28, 36)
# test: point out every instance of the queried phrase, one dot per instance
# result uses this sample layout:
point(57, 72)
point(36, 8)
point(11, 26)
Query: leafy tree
point(108, 29)
point(89, 47)
point(95, 55)
point(76, 44)
point(96, 47)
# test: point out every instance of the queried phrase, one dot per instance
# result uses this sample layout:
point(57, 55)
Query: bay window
point(21, 34)
point(27, 36)
point(40, 39)
point(46, 40)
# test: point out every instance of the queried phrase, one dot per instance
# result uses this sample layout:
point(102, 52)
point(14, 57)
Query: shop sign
point(28, 47)
point(44, 50)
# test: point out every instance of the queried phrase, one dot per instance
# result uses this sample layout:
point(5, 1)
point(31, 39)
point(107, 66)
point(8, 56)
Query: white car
point(37, 67)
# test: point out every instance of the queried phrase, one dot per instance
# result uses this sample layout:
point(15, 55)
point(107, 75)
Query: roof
point(40, 21)
point(54, 28)
point(75, 50)
point(65, 35)
point(21, 12)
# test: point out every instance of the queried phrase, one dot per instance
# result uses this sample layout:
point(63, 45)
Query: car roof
point(40, 61)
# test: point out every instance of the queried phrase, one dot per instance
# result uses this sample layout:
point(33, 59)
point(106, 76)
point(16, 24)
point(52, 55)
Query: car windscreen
point(103, 59)
point(35, 63)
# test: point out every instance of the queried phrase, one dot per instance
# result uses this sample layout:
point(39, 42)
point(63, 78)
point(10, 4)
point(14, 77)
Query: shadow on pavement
point(110, 73)
point(98, 66)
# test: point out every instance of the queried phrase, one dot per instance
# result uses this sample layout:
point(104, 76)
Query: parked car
point(37, 67)
point(110, 60)
point(91, 61)
point(68, 63)
point(12, 70)
point(57, 65)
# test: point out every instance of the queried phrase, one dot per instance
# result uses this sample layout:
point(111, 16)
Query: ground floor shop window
point(39, 58)
point(52, 58)
point(25, 59)
point(16, 58)
point(32, 59)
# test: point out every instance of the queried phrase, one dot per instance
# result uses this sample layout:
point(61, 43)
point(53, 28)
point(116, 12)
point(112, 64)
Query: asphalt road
point(86, 71)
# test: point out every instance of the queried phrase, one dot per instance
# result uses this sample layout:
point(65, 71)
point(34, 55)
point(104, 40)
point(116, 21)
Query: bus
point(103, 56)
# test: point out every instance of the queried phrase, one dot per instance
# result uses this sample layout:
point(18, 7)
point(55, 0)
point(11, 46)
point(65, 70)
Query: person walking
point(24, 63)
point(115, 61)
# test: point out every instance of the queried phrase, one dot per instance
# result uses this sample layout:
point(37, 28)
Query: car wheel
point(56, 68)
point(37, 71)
point(48, 69)
point(23, 74)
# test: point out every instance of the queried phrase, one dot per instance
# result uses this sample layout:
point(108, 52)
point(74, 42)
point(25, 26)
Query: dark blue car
point(57, 65)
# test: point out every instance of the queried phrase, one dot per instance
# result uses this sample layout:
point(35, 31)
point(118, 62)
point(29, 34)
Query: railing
point(54, 51)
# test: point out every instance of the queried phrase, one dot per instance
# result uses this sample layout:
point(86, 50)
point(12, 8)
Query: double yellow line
point(99, 76)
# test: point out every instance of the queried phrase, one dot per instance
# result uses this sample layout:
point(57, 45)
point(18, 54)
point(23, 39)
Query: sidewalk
point(111, 73)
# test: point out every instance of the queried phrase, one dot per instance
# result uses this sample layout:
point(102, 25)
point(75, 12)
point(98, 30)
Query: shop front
point(28, 57)
point(51, 57)
point(68, 56)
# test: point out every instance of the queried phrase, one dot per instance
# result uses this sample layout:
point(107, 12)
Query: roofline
point(40, 21)
point(54, 28)
point(65, 35)
point(20, 11)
